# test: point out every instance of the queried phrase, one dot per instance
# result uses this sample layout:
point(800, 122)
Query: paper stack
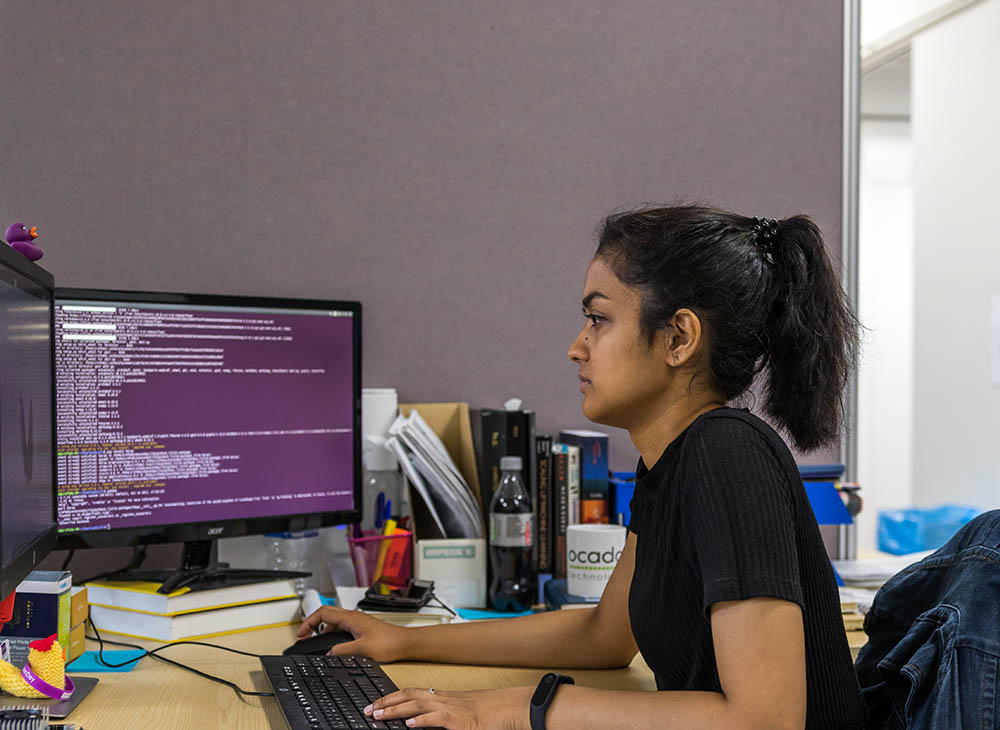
point(874, 572)
point(348, 597)
point(434, 475)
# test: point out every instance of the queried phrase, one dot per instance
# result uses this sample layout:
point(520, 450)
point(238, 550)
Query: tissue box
point(41, 608)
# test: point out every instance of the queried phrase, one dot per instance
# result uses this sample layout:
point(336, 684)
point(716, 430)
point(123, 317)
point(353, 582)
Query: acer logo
point(215, 530)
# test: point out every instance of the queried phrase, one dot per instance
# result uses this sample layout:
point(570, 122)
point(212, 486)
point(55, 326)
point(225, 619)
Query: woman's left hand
point(489, 709)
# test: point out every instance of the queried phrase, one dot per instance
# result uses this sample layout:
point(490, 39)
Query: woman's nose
point(577, 350)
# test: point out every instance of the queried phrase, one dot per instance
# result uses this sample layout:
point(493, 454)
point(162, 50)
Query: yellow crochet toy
point(47, 663)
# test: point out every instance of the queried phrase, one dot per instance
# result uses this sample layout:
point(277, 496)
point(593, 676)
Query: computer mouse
point(318, 644)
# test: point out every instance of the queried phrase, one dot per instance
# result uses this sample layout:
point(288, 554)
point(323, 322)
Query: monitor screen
point(26, 473)
point(201, 412)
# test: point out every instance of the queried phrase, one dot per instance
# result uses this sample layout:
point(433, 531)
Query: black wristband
point(542, 697)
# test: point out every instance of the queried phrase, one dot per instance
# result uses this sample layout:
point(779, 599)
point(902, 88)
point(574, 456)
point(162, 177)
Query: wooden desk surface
point(156, 694)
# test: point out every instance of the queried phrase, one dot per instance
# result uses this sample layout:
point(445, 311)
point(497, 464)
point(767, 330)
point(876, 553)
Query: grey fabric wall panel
point(444, 162)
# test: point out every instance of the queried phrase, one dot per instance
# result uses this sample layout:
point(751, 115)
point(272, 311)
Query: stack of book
point(135, 608)
point(567, 477)
point(852, 611)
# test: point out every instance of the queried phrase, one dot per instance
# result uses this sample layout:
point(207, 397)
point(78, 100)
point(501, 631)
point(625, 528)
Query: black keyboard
point(328, 692)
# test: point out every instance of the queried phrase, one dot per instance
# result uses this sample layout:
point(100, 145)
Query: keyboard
point(328, 692)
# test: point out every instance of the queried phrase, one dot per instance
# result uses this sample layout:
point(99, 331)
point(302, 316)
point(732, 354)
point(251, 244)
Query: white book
point(198, 624)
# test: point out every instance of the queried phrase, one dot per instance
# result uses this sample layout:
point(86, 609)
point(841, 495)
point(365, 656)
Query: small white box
point(458, 569)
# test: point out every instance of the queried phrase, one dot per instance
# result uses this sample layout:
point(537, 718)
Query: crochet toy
point(43, 677)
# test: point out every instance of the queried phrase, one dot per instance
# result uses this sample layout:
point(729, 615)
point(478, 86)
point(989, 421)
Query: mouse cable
point(154, 653)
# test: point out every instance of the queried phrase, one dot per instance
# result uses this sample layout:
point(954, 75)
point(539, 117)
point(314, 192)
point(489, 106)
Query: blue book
point(557, 597)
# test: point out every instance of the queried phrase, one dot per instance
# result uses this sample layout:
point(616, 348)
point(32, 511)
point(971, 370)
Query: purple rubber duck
point(22, 239)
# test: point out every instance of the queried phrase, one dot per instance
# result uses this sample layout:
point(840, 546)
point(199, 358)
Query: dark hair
point(767, 297)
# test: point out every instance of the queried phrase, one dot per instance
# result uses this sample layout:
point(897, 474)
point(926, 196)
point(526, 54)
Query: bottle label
point(510, 530)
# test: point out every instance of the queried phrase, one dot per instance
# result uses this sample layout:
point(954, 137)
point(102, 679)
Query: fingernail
point(368, 710)
point(411, 722)
point(378, 714)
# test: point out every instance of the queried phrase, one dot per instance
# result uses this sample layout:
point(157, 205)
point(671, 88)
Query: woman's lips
point(583, 382)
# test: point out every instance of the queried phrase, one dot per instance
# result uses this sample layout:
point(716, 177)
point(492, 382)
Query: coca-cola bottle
point(511, 537)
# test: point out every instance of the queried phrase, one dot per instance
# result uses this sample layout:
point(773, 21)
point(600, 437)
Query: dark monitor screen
point(187, 417)
point(27, 524)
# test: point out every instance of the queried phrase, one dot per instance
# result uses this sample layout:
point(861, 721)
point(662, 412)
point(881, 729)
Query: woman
point(724, 585)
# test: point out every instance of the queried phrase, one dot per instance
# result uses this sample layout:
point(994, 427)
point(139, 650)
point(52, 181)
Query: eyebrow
point(592, 296)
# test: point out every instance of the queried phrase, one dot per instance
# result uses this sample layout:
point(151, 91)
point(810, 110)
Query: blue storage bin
point(912, 530)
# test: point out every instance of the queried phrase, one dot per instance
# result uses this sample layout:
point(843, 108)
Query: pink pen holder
point(385, 557)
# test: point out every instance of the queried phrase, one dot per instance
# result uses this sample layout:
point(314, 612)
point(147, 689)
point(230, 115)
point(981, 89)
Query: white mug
point(592, 551)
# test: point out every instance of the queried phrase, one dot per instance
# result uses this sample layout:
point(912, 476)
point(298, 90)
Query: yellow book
point(197, 624)
point(143, 597)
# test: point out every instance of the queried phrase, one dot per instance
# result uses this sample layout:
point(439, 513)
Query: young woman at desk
point(724, 585)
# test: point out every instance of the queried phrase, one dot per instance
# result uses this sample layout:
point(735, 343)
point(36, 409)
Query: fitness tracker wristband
point(542, 697)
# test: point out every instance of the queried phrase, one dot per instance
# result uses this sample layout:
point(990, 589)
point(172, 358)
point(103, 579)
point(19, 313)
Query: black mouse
point(318, 644)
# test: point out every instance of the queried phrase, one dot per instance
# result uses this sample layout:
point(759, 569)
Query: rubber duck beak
point(32, 232)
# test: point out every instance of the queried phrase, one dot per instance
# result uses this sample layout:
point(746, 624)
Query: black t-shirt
point(723, 516)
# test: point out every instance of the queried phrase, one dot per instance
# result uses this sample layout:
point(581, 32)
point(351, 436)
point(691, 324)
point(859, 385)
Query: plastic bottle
point(511, 537)
point(291, 551)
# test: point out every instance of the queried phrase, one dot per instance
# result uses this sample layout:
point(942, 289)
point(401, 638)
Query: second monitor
point(183, 418)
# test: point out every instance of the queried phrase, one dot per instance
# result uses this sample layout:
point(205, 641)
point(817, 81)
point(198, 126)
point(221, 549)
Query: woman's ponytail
point(811, 334)
point(768, 297)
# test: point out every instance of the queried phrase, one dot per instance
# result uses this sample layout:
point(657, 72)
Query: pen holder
point(378, 556)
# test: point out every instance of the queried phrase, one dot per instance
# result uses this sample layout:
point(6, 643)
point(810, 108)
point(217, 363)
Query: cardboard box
point(77, 606)
point(77, 642)
point(41, 608)
point(457, 566)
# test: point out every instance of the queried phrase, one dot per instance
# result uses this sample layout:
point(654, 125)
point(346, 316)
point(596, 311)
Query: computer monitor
point(188, 417)
point(27, 476)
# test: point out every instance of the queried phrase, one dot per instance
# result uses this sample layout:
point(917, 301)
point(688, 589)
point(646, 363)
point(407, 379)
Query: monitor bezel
point(236, 527)
point(35, 551)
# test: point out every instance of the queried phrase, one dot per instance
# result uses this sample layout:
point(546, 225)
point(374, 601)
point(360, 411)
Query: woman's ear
point(681, 338)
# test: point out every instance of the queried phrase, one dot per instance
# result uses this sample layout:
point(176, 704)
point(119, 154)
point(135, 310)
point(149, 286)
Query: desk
point(159, 695)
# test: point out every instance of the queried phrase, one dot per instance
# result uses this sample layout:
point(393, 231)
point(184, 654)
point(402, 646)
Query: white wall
point(885, 306)
point(883, 18)
point(956, 115)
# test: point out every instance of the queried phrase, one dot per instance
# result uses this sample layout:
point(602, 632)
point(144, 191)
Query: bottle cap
point(512, 463)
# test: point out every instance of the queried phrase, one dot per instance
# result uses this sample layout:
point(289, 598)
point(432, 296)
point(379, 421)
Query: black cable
point(153, 653)
point(69, 556)
point(443, 605)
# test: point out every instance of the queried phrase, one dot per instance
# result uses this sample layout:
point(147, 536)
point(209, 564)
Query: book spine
point(573, 486)
point(543, 490)
point(594, 497)
point(490, 437)
point(560, 501)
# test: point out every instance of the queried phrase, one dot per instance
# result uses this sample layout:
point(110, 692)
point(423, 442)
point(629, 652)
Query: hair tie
point(764, 232)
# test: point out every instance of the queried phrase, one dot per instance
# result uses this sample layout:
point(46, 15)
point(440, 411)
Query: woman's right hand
point(373, 638)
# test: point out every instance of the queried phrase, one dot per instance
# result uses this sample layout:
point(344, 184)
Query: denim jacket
point(933, 648)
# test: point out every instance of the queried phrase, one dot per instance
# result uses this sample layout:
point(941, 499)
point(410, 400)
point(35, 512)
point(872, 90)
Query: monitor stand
point(197, 572)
